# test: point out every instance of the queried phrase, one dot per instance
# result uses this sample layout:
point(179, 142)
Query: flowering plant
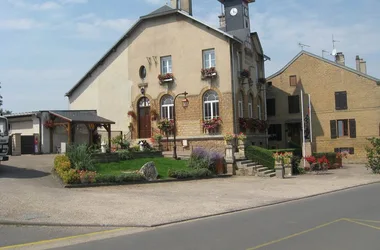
point(166, 125)
point(310, 159)
point(243, 122)
point(86, 176)
point(166, 76)
point(212, 123)
point(229, 137)
point(210, 72)
point(261, 125)
point(341, 155)
point(282, 157)
point(241, 137)
point(49, 124)
point(132, 114)
point(323, 160)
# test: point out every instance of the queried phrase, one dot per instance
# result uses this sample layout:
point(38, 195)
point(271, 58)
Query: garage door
point(27, 144)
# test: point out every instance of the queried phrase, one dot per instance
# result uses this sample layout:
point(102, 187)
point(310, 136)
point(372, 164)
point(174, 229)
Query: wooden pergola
point(70, 119)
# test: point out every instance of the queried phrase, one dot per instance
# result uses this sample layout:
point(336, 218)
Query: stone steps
point(249, 168)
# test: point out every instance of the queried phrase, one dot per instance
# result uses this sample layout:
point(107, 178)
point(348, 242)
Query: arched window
point(259, 108)
point(250, 106)
point(210, 105)
point(167, 104)
point(241, 105)
point(144, 102)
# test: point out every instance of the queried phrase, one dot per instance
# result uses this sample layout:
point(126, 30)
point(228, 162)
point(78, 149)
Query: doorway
point(294, 134)
point(145, 129)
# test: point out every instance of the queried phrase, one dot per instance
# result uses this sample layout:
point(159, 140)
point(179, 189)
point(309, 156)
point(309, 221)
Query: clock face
point(233, 12)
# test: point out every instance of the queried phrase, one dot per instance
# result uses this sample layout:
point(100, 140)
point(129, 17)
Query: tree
point(3, 112)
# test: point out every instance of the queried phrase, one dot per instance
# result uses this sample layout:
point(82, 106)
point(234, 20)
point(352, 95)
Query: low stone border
point(131, 182)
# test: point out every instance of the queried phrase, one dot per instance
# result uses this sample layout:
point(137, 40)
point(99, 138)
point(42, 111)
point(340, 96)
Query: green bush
point(295, 151)
point(80, 157)
point(126, 177)
point(260, 155)
point(331, 156)
point(190, 173)
point(70, 177)
point(373, 155)
point(125, 155)
point(296, 169)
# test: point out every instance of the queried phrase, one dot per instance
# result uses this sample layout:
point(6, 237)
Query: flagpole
point(311, 126)
point(303, 130)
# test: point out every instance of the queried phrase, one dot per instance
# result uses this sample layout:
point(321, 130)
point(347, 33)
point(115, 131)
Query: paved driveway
point(28, 193)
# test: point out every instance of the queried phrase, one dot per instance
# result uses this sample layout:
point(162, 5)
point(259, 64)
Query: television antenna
point(334, 49)
point(303, 45)
point(323, 53)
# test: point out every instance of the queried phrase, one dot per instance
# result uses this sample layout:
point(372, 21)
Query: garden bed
point(115, 157)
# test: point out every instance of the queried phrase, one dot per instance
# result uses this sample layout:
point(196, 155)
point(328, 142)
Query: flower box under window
point(209, 73)
point(168, 77)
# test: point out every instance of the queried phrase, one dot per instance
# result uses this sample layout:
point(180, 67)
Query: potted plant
point(228, 138)
point(208, 73)
point(245, 73)
point(168, 77)
point(241, 138)
point(211, 124)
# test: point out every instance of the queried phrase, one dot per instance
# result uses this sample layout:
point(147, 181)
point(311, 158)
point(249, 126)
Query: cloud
point(20, 24)
point(47, 5)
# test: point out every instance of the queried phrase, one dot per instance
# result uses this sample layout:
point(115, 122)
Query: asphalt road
point(341, 221)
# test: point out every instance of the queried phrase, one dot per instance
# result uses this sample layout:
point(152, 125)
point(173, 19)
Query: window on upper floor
point(210, 105)
point(271, 107)
point(341, 100)
point(293, 104)
point(250, 106)
point(208, 58)
point(166, 64)
point(167, 106)
point(241, 105)
point(293, 80)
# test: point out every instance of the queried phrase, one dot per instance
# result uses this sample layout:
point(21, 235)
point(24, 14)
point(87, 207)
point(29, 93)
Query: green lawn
point(162, 165)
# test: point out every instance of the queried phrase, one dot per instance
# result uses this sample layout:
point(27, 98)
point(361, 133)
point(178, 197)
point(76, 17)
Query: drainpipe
point(232, 53)
point(38, 115)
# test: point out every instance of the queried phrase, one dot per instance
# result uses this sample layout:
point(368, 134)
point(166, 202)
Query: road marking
point(370, 221)
point(296, 234)
point(62, 239)
point(363, 224)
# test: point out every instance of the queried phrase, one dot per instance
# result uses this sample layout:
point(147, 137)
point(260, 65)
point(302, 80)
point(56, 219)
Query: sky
point(48, 45)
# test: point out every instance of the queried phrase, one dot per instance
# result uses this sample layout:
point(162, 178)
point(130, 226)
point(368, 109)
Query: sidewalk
point(152, 204)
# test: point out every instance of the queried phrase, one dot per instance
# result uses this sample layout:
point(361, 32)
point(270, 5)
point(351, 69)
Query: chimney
point(187, 5)
point(361, 65)
point(222, 21)
point(339, 58)
point(174, 4)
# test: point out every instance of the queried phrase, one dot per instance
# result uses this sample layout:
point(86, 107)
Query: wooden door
point(145, 129)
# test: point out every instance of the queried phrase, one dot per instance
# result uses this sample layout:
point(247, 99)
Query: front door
point(144, 118)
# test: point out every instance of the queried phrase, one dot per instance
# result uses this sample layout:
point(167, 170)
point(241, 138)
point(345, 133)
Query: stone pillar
point(230, 160)
point(278, 168)
point(241, 149)
point(16, 144)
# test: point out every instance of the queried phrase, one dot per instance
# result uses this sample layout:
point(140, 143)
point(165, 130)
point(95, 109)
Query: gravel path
point(40, 199)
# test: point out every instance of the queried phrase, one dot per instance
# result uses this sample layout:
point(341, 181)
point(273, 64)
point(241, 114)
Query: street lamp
point(185, 104)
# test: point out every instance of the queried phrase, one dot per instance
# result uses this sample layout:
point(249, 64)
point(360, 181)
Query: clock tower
point(237, 17)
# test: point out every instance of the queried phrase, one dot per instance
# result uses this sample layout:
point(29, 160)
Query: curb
point(23, 223)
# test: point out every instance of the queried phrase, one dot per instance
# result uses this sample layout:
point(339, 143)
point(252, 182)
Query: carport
point(70, 119)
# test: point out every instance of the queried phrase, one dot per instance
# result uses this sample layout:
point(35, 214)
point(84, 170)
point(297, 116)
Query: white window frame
point(250, 106)
point(208, 60)
point(167, 107)
point(166, 65)
point(241, 105)
point(211, 102)
point(259, 111)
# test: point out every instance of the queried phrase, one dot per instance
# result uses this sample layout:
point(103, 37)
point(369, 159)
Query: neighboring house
point(187, 55)
point(44, 131)
point(345, 105)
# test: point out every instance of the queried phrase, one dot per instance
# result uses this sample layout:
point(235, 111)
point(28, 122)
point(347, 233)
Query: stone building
point(169, 52)
point(345, 105)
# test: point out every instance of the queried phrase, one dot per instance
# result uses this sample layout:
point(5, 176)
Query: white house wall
point(108, 90)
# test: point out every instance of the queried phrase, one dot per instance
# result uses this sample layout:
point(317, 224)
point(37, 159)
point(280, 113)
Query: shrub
point(330, 157)
point(295, 151)
point(80, 157)
point(260, 155)
point(120, 142)
point(87, 176)
point(190, 173)
point(373, 155)
point(199, 158)
point(127, 177)
point(59, 159)
point(296, 169)
point(70, 177)
point(125, 155)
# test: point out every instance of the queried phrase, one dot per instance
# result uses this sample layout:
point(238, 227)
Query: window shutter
point(337, 104)
point(343, 98)
point(333, 129)
point(352, 128)
point(351, 151)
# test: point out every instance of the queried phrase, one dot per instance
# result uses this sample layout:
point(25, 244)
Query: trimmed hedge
point(190, 173)
point(126, 177)
point(295, 151)
point(261, 155)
